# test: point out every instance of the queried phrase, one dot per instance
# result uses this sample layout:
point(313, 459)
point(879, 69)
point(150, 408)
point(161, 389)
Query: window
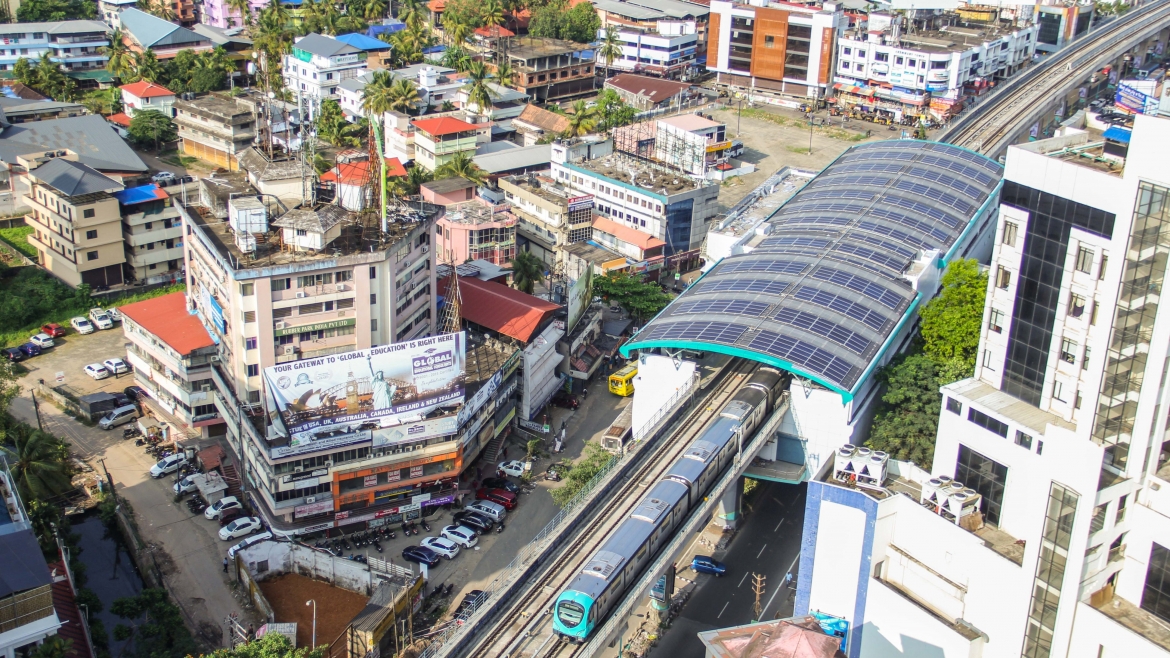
point(342, 276)
point(1085, 360)
point(301, 232)
point(373, 273)
point(898, 61)
point(996, 321)
point(91, 235)
point(247, 289)
point(249, 316)
point(1104, 262)
point(912, 63)
point(249, 343)
point(987, 422)
point(1003, 278)
point(253, 370)
point(1156, 593)
point(281, 284)
point(373, 298)
point(1076, 305)
point(91, 255)
point(938, 65)
point(279, 313)
point(373, 324)
point(149, 225)
point(1054, 543)
point(848, 51)
point(1093, 315)
point(1009, 234)
point(1023, 440)
point(987, 360)
point(1058, 390)
point(87, 213)
point(954, 406)
point(1068, 350)
point(861, 53)
point(253, 397)
point(881, 57)
point(985, 476)
point(1084, 260)
point(1121, 503)
point(769, 41)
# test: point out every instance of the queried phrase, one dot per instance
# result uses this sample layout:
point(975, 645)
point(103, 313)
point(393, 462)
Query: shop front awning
point(853, 89)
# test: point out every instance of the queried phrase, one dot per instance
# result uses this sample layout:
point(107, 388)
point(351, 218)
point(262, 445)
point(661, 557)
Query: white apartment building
point(1041, 529)
point(435, 84)
point(110, 11)
point(318, 64)
point(76, 45)
point(668, 50)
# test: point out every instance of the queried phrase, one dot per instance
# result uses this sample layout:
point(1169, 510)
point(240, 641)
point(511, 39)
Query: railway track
point(524, 627)
point(991, 122)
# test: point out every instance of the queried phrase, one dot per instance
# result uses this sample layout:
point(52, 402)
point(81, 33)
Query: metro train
point(620, 560)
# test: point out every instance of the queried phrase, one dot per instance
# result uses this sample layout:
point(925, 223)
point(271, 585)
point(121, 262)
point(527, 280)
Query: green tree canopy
point(151, 127)
point(555, 20)
point(38, 460)
point(641, 300)
point(951, 322)
point(154, 627)
point(272, 645)
point(55, 10)
point(527, 270)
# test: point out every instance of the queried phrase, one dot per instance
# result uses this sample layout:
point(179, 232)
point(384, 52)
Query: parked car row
point(470, 523)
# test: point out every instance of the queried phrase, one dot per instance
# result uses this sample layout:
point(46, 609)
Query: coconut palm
point(103, 101)
point(582, 120)
point(404, 96)
point(243, 8)
point(374, 10)
point(376, 95)
point(411, 12)
point(38, 462)
point(160, 8)
point(408, 44)
point(505, 74)
point(415, 177)
point(147, 66)
point(527, 270)
point(492, 13)
point(461, 166)
point(456, 57)
point(458, 32)
point(610, 47)
point(120, 59)
point(479, 91)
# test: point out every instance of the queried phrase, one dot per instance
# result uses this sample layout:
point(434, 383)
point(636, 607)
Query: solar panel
point(758, 265)
point(838, 194)
point(728, 306)
point(813, 220)
point(804, 356)
point(897, 265)
point(959, 168)
point(905, 220)
point(881, 167)
point(828, 179)
point(974, 158)
point(824, 328)
point(924, 209)
point(811, 243)
point(901, 236)
point(863, 236)
point(743, 285)
point(880, 294)
point(940, 196)
point(949, 181)
point(842, 305)
point(797, 205)
point(706, 332)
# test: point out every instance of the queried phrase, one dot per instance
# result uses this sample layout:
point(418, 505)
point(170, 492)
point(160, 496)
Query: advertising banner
point(315, 400)
point(417, 431)
point(580, 296)
point(313, 508)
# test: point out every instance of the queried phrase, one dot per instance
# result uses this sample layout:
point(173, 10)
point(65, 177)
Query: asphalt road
point(767, 544)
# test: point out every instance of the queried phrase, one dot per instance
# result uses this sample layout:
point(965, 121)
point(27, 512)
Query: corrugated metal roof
point(500, 308)
point(73, 179)
point(24, 565)
point(95, 142)
point(518, 158)
point(363, 42)
point(141, 194)
point(319, 44)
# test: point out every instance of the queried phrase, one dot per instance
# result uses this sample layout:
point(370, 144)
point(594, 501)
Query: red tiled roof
point(437, 5)
point(655, 89)
point(120, 118)
point(500, 308)
point(543, 119)
point(167, 318)
point(144, 89)
point(639, 239)
point(443, 126)
point(494, 32)
point(65, 604)
point(357, 173)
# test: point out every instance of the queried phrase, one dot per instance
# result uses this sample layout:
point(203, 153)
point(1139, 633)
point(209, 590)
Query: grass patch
point(827, 131)
point(17, 238)
point(798, 149)
point(31, 297)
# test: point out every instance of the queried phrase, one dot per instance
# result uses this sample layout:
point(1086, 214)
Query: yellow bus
point(622, 381)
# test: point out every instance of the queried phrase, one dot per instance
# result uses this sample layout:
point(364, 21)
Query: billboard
point(580, 296)
point(355, 393)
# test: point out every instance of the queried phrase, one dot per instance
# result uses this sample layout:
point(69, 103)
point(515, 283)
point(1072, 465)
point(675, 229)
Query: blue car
point(422, 555)
point(704, 564)
point(30, 349)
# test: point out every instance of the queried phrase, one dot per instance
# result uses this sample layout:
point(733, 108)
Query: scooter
point(448, 589)
point(499, 528)
point(377, 546)
point(425, 525)
point(131, 432)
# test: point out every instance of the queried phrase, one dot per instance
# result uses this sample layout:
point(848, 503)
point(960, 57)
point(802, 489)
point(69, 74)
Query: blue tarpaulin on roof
point(1118, 134)
point(140, 194)
point(391, 27)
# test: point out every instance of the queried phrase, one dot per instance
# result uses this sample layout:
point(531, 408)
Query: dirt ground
point(336, 607)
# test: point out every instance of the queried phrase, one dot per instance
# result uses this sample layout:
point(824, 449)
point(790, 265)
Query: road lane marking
point(741, 580)
point(778, 525)
point(777, 590)
point(761, 551)
point(723, 610)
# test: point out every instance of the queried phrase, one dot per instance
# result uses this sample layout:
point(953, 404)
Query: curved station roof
point(823, 292)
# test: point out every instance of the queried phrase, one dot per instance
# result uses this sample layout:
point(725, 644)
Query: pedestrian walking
point(584, 393)
point(225, 565)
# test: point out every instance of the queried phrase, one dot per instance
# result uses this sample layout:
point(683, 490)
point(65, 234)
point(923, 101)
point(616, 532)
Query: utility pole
point(33, 394)
point(758, 588)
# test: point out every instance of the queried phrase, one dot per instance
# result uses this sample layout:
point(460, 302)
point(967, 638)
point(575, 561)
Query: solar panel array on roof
point(824, 290)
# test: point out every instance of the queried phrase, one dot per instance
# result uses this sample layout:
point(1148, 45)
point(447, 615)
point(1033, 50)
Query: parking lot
point(71, 354)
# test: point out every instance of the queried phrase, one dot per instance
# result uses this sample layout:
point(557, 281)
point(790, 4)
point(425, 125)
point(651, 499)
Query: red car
point(498, 496)
point(54, 330)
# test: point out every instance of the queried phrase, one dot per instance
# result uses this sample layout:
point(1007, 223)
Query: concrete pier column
point(727, 511)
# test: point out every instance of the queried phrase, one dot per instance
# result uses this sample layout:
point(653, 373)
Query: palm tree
point(582, 120)
point(459, 32)
point(160, 8)
point(120, 58)
point(491, 13)
point(339, 133)
point(456, 57)
point(479, 91)
point(410, 12)
point(37, 461)
point(243, 8)
point(527, 270)
point(376, 95)
point(415, 177)
point(404, 96)
point(374, 10)
point(103, 101)
point(461, 166)
point(610, 47)
point(505, 75)
point(147, 66)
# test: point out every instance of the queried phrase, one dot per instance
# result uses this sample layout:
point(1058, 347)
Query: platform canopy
point(825, 291)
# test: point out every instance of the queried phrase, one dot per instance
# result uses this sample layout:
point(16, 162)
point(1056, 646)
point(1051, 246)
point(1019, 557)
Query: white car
point(97, 371)
point(244, 525)
point(185, 485)
point(114, 314)
point(163, 177)
point(461, 535)
point(81, 325)
point(513, 468)
point(254, 539)
point(168, 464)
point(444, 547)
point(43, 341)
point(99, 318)
point(116, 366)
point(215, 509)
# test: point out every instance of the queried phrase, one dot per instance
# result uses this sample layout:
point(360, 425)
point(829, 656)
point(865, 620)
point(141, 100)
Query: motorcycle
point(131, 432)
point(139, 442)
point(425, 525)
point(377, 546)
point(499, 528)
point(448, 589)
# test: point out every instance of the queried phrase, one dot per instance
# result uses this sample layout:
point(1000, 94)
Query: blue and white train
point(619, 562)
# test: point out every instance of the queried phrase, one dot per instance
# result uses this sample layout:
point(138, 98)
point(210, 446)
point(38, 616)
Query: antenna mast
point(451, 319)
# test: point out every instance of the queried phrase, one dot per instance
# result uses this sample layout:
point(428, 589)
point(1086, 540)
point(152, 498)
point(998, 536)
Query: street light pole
point(314, 603)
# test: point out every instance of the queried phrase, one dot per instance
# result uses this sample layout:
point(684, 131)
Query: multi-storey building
point(688, 142)
point(1041, 529)
point(144, 95)
point(216, 128)
point(550, 69)
point(172, 355)
point(773, 47)
point(164, 38)
point(75, 45)
point(318, 64)
point(885, 67)
point(476, 231)
point(551, 215)
point(153, 233)
point(219, 14)
point(437, 141)
point(1060, 21)
point(435, 84)
point(110, 11)
point(77, 228)
point(666, 50)
point(647, 16)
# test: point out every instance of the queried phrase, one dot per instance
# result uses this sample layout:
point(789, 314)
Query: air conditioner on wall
point(328, 463)
point(310, 499)
point(301, 295)
point(280, 325)
point(298, 468)
point(289, 350)
point(341, 287)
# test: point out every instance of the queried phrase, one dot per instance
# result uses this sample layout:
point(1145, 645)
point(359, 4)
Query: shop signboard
point(315, 508)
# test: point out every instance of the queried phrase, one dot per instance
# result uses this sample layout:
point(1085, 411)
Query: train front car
point(573, 614)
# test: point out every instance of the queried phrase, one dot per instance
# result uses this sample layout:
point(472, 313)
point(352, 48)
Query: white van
point(492, 510)
point(119, 416)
